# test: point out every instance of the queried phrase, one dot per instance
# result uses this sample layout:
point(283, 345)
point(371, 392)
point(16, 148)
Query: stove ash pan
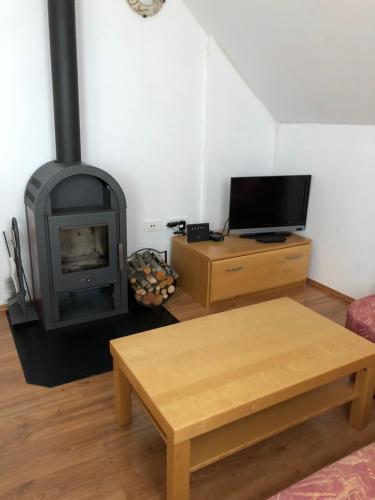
point(76, 217)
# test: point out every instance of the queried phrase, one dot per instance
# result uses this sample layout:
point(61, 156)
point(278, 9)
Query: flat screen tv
point(268, 204)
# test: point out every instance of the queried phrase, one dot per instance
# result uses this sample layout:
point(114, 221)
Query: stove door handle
point(121, 256)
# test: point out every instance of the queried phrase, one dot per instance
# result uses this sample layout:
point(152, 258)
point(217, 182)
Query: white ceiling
point(309, 61)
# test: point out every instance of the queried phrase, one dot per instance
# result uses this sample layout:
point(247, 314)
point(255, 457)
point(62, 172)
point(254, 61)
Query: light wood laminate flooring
point(64, 443)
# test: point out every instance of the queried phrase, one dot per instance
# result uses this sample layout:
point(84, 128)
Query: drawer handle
point(294, 257)
point(234, 269)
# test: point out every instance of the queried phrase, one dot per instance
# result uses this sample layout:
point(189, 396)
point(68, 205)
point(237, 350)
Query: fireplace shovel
point(20, 310)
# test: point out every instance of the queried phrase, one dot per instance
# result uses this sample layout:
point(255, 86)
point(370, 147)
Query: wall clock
point(146, 8)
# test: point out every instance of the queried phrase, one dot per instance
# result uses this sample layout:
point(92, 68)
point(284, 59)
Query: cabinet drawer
point(257, 272)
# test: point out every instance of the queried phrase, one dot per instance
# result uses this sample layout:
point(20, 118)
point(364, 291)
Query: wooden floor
point(64, 443)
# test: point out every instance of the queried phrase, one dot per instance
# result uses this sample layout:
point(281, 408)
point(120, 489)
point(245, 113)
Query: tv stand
point(211, 272)
point(254, 236)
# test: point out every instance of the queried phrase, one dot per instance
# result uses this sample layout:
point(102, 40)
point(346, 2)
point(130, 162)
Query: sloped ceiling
point(309, 61)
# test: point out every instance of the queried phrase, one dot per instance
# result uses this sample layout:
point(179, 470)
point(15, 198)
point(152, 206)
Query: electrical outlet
point(151, 226)
point(175, 219)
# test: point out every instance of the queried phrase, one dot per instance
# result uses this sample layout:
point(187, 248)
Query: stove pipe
point(62, 32)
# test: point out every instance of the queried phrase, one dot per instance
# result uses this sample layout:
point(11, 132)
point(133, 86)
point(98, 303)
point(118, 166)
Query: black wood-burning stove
point(76, 213)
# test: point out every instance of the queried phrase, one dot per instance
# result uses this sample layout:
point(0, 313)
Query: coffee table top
point(198, 375)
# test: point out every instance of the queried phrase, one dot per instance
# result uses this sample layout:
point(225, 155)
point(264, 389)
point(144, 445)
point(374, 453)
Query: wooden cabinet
point(211, 272)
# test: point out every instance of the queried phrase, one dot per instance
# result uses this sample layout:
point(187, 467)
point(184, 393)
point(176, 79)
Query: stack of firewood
point(152, 279)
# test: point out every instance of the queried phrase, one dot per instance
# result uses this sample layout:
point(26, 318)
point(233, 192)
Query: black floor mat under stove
point(60, 356)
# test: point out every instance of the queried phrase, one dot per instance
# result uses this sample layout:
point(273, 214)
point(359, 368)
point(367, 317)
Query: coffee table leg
point(178, 471)
point(361, 406)
point(123, 402)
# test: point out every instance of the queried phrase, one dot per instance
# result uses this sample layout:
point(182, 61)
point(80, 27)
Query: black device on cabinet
point(198, 232)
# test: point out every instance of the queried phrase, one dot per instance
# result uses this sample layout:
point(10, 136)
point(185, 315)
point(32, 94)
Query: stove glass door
point(83, 250)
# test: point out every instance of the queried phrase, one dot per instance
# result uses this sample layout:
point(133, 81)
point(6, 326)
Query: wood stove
point(76, 213)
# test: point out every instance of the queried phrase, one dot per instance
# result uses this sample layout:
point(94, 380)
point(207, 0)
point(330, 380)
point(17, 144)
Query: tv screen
point(269, 202)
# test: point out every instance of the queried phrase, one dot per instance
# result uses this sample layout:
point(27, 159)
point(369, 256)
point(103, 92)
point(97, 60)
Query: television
point(270, 204)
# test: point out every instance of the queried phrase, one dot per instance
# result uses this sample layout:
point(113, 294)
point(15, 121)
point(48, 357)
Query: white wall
point(341, 213)
point(142, 92)
point(162, 110)
point(26, 127)
point(240, 135)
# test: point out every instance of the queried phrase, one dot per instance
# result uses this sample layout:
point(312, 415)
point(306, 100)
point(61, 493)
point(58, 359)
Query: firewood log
point(157, 300)
point(136, 286)
point(172, 272)
point(131, 274)
point(160, 275)
point(169, 269)
point(157, 270)
point(160, 266)
point(169, 279)
point(146, 300)
point(142, 264)
point(135, 266)
point(171, 289)
point(150, 257)
point(140, 260)
point(142, 281)
point(153, 261)
point(163, 284)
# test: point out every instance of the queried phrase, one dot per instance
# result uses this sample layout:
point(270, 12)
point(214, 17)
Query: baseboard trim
point(330, 290)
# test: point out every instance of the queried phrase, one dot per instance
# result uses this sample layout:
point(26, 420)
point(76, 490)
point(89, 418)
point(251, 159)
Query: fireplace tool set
point(20, 307)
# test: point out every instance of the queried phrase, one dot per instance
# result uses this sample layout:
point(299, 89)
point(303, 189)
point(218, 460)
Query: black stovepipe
point(62, 29)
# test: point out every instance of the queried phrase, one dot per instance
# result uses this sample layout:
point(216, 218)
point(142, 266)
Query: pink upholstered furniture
point(361, 317)
point(351, 478)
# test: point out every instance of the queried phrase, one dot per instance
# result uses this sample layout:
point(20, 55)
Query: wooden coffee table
point(220, 383)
